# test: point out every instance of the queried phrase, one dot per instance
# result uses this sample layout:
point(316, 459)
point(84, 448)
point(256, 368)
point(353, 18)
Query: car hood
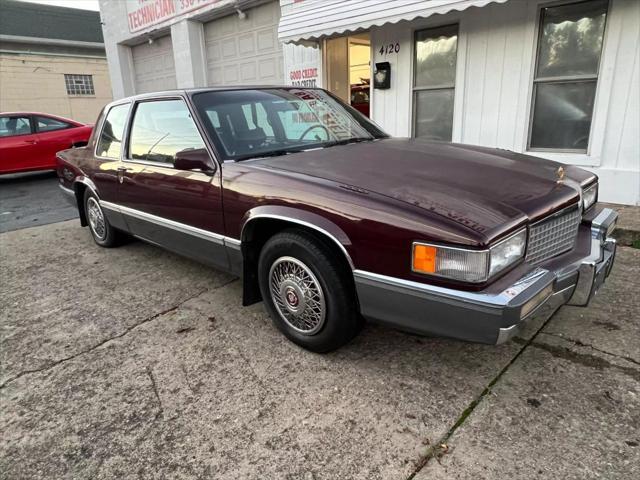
point(488, 190)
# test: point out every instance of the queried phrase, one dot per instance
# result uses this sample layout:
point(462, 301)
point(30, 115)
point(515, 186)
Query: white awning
point(313, 19)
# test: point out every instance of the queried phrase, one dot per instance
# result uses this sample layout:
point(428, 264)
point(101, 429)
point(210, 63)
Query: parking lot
point(31, 199)
point(135, 363)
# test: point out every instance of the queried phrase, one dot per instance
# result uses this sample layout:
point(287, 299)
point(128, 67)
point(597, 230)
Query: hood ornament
point(560, 174)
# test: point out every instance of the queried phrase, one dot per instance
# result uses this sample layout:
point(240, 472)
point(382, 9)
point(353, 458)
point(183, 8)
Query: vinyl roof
point(26, 19)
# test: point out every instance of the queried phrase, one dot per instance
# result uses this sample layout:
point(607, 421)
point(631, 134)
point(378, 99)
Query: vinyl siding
point(496, 55)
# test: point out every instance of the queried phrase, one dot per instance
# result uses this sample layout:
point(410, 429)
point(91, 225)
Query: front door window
point(162, 129)
point(11, 126)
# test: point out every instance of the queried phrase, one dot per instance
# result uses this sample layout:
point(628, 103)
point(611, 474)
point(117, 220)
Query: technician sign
point(142, 14)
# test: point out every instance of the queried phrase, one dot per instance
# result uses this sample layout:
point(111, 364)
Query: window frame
point(584, 78)
point(102, 123)
point(454, 86)
point(71, 76)
point(31, 125)
point(129, 124)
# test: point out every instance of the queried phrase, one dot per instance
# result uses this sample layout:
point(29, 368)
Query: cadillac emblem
point(560, 174)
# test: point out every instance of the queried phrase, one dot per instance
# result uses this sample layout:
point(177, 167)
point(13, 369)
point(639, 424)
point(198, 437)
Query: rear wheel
point(101, 231)
point(307, 292)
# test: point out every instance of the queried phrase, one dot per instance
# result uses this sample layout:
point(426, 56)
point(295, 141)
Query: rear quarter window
point(110, 140)
point(48, 124)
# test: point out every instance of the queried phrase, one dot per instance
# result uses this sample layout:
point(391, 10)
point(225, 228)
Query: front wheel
point(307, 292)
point(101, 230)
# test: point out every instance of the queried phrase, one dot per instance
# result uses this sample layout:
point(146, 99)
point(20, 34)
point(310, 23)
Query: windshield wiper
point(287, 151)
point(271, 153)
point(349, 140)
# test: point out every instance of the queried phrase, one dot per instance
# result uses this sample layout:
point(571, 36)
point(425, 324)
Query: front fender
point(300, 217)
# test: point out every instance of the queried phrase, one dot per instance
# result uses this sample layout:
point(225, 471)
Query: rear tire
point(307, 292)
point(101, 230)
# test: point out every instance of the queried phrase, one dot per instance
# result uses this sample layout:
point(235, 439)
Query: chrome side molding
point(172, 224)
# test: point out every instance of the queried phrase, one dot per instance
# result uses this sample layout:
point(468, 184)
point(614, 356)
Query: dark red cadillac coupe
point(329, 221)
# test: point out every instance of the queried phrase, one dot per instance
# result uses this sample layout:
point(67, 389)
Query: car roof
point(190, 91)
point(41, 114)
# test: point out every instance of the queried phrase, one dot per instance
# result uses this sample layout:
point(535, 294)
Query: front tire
point(101, 230)
point(308, 294)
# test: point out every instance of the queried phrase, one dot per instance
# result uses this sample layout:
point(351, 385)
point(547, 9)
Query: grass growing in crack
point(440, 448)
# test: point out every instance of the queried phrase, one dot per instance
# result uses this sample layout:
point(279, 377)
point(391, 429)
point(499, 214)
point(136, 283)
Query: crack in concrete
point(590, 361)
point(436, 450)
point(160, 412)
point(107, 340)
point(440, 448)
point(588, 345)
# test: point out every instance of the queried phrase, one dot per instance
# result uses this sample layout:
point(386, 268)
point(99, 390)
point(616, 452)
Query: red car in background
point(29, 141)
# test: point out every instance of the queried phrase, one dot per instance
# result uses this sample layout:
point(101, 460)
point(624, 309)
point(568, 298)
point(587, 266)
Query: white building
point(557, 79)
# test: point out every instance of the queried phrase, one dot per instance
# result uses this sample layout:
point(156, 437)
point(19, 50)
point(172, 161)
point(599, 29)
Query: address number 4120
point(389, 48)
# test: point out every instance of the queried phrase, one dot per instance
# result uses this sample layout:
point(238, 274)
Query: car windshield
point(251, 123)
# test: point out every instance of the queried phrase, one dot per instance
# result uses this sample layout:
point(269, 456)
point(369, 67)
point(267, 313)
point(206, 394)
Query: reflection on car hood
point(485, 189)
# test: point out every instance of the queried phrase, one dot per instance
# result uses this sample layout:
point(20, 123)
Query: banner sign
point(302, 64)
point(304, 77)
point(142, 14)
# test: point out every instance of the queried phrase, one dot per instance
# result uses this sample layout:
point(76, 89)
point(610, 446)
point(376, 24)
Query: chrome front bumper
point(490, 317)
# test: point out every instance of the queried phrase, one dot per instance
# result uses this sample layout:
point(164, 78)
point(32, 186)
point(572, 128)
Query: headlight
point(589, 196)
point(507, 251)
point(468, 265)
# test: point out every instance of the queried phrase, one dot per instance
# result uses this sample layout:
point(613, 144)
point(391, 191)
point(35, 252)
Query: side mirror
point(194, 159)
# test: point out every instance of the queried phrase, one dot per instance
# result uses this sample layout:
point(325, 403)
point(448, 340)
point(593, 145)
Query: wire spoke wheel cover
point(96, 219)
point(297, 295)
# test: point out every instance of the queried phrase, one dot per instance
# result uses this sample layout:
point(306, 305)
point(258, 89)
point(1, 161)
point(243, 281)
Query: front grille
point(553, 235)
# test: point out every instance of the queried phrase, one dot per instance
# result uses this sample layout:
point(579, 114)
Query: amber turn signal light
point(424, 258)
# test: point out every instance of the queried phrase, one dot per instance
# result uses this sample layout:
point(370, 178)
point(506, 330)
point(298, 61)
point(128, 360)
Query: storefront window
point(434, 82)
point(564, 87)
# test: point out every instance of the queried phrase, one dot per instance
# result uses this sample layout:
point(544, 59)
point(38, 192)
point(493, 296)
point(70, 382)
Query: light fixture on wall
point(241, 14)
point(150, 41)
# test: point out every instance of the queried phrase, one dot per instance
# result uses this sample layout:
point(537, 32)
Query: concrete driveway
point(135, 363)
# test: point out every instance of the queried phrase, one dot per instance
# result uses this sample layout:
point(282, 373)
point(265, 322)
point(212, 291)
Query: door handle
point(121, 171)
point(31, 142)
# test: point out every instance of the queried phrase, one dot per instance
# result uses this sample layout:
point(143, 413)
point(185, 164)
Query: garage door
point(245, 51)
point(153, 65)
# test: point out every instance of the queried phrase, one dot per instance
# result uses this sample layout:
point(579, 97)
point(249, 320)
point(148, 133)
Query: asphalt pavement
point(31, 199)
